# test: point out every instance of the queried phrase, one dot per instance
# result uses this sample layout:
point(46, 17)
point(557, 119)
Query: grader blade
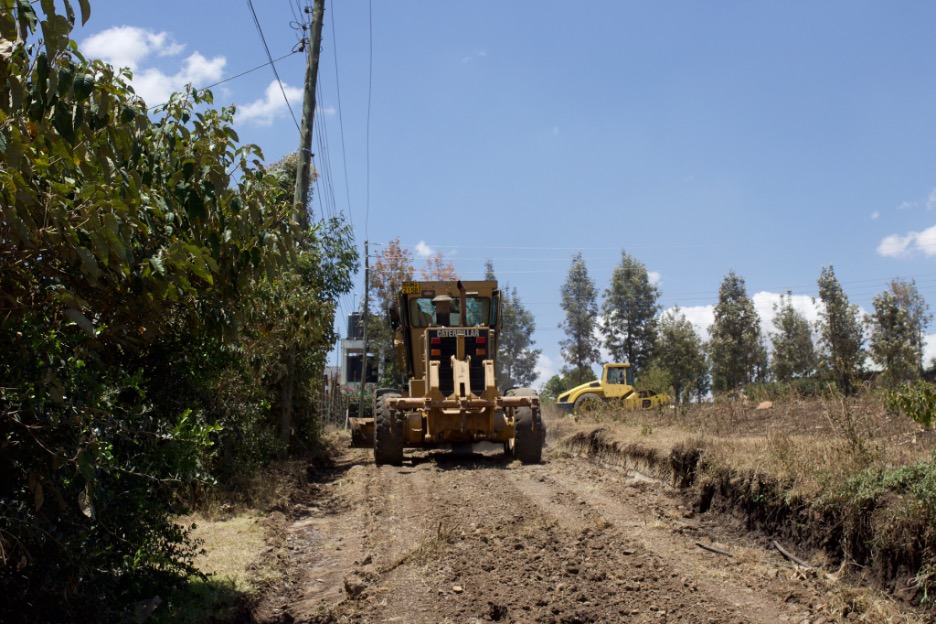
point(362, 432)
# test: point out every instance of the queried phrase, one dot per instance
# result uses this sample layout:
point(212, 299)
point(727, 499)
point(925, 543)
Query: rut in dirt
point(480, 538)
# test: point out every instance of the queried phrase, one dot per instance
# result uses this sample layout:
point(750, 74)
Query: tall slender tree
point(629, 313)
point(736, 337)
point(794, 354)
point(680, 353)
point(393, 265)
point(895, 327)
point(516, 357)
point(841, 336)
point(912, 301)
point(579, 301)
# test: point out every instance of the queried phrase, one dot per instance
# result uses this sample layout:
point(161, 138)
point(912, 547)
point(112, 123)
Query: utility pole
point(301, 200)
point(303, 172)
point(364, 327)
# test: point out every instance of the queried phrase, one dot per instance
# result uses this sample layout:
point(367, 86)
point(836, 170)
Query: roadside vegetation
point(164, 320)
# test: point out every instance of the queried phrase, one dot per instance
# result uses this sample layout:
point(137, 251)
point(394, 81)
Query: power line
point(344, 157)
point(272, 64)
point(236, 76)
point(370, 85)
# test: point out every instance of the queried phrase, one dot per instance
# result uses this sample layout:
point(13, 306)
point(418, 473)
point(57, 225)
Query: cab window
point(477, 311)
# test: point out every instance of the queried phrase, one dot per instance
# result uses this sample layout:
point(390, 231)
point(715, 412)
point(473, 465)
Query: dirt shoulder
point(479, 538)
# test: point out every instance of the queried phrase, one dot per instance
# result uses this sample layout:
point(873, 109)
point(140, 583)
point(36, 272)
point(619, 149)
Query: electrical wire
point(344, 158)
point(234, 77)
point(370, 85)
point(272, 63)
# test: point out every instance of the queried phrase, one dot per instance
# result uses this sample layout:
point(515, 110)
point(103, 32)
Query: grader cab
point(445, 336)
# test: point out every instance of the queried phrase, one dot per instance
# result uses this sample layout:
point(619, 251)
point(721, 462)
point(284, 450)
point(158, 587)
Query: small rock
point(354, 585)
point(457, 589)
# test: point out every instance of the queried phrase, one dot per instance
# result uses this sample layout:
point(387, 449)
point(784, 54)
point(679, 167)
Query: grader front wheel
point(529, 431)
point(388, 432)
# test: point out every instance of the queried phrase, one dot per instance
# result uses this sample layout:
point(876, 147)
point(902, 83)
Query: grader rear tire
point(529, 431)
point(388, 432)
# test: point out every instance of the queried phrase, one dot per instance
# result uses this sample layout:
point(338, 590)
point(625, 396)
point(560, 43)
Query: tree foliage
point(681, 354)
point(439, 269)
point(516, 357)
point(841, 337)
point(629, 313)
point(580, 345)
point(393, 265)
point(896, 326)
point(794, 354)
point(736, 346)
point(148, 292)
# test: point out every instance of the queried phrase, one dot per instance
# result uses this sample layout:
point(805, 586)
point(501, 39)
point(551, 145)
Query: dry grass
point(230, 546)
point(810, 444)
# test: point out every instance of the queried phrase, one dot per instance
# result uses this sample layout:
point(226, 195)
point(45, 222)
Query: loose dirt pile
point(478, 538)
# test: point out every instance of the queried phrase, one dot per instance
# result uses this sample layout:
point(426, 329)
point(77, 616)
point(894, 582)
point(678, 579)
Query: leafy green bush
point(916, 401)
point(151, 303)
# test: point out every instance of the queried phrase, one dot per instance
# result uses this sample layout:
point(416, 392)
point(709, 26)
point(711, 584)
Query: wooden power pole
point(301, 201)
point(303, 172)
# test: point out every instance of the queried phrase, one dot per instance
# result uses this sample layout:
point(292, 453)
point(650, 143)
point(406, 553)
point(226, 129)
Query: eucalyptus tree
point(629, 313)
point(393, 265)
point(896, 325)
point(516, 358)
point(579, 302)
point(910, 299)
point(841, 337)
point(735, 346)
point(794, 355)
point(680, 353)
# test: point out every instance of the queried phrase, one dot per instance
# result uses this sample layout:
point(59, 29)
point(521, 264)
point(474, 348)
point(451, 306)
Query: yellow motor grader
point(445, 336)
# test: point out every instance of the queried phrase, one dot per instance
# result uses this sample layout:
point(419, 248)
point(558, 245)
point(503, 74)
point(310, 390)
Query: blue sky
point(771, 139)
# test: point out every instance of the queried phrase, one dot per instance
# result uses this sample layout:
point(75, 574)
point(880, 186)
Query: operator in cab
point(443, 310)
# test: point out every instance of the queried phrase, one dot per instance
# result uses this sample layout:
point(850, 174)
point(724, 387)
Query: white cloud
point(875, 215)
point(327, 110)
point(545, 368)
point(907, 205)
point(423, 250)
point(765, 301)
point(474, 55)
point(262, 112)
point(896, 246)
point(931, 200)
point(702, 317)
point(929, 348)
point(129, 46)
point(654, 277)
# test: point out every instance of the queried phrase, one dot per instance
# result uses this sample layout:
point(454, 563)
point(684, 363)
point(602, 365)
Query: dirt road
point(478, 538)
